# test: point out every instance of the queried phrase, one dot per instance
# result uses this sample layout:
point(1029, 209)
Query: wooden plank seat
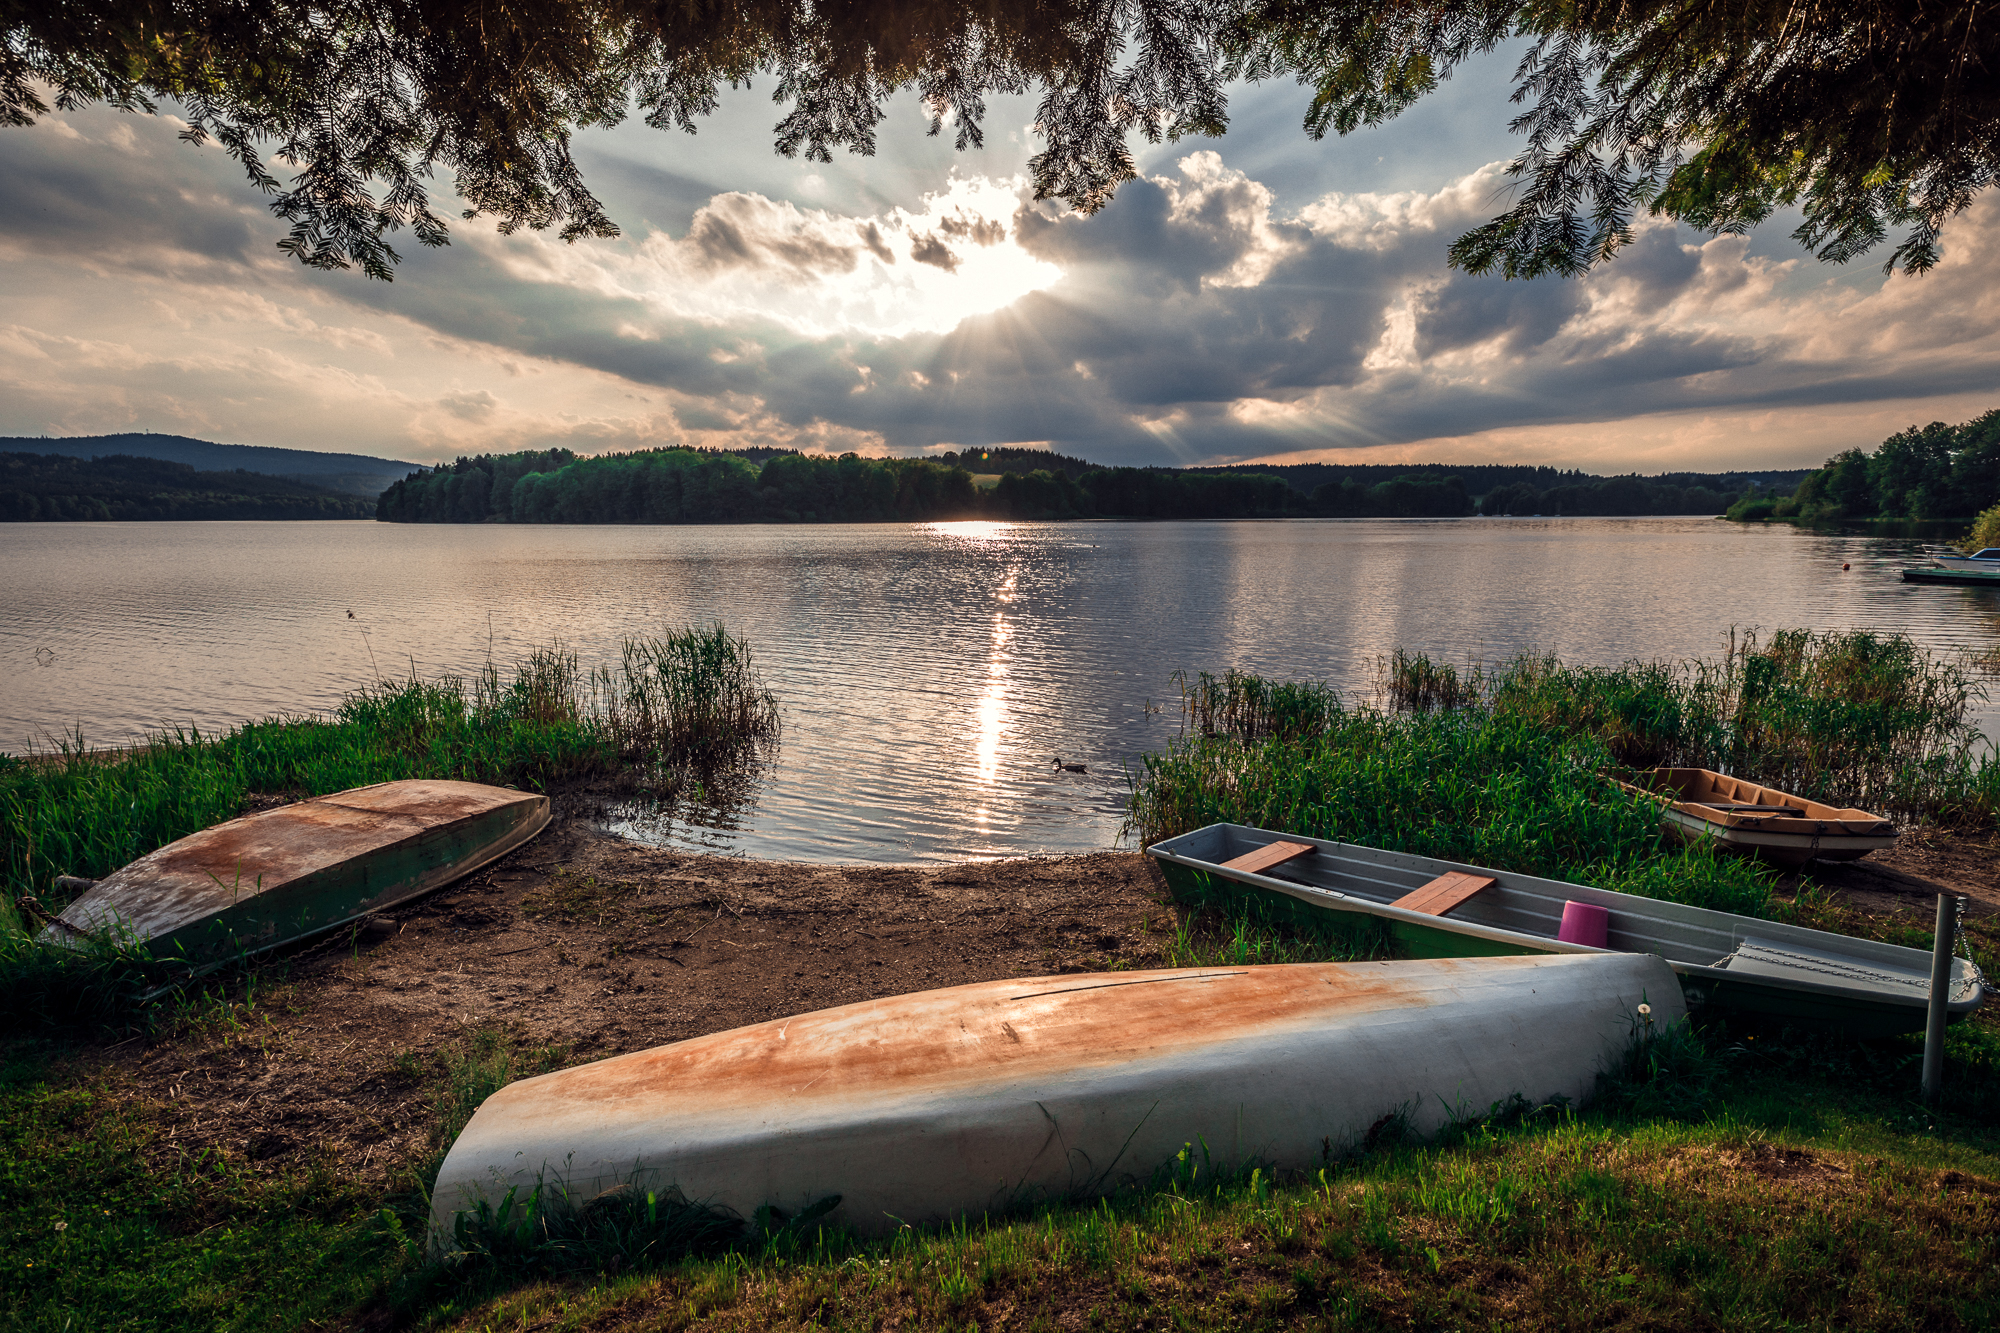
point(1270, 854)
point(1443, 893)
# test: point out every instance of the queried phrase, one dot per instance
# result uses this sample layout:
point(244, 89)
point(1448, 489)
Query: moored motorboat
point(282, 875)
point(968, 1100)
point(1434, 908)
point(1742, 816)
point(1950, 557)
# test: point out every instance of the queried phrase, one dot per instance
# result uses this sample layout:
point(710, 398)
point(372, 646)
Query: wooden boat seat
point(1443, 893)
point(1270, 854)
point(1728, 809)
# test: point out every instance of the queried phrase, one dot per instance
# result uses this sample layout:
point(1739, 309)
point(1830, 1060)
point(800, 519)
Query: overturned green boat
point(282, 875)
point(1442, 909)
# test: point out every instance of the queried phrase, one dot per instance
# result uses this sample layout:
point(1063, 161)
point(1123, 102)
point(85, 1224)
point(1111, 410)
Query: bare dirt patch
point(1906, 879)
point(595, 946)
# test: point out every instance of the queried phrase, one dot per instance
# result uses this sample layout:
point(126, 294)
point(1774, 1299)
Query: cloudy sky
point(1259, 296)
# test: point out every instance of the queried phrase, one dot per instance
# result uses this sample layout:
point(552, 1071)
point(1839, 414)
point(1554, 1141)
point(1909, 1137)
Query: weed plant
point(1848, 717)
point(691, 697)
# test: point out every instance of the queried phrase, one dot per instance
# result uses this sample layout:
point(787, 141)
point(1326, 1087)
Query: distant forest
point(1925, 472)
point(695, 486)
point(355, 474)
point(55, 487)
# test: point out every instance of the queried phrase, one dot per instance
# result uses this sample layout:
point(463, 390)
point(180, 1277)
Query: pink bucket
point(1584, 923)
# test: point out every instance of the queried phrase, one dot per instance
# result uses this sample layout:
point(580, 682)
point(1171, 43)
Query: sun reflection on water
point(992, 710)
point(971, 529)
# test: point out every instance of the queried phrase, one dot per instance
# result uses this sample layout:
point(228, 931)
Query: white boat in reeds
point(1700, 805)
point(1432, 908)
point(282, 875)
point(973, 1099)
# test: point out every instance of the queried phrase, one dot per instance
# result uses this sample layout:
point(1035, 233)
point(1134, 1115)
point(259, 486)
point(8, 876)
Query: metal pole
point(1941, 945)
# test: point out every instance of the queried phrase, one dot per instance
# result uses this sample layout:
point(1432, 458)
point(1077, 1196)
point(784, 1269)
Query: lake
point(928, 673)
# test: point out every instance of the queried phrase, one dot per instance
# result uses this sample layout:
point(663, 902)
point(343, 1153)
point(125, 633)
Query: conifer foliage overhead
point(1871, 117)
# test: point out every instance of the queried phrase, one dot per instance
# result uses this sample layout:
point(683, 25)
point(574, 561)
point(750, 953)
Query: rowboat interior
point(1774, 824)
point(1434, 908)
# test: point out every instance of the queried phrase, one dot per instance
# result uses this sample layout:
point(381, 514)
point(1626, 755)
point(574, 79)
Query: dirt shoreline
point(596, 946)
point(593, 946)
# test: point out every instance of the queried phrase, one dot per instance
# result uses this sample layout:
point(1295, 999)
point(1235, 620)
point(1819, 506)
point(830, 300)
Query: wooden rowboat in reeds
point(282, 875)
point(1743, 817)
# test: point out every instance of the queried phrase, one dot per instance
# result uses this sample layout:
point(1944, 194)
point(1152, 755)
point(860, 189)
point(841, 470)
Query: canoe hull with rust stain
point(1694, 809)
point(282, 875)
point(961, 1101)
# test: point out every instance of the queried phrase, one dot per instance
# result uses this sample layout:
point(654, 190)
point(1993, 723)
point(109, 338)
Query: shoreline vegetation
point(1925, 474)
point(1722, 1177)
point(119, 487)
point(769, 486)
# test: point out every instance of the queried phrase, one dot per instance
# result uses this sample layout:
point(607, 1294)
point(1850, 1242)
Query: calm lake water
point(928, 673)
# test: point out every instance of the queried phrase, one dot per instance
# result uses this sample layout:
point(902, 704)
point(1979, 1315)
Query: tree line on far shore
point(42, 488)
point(695, 486)
point(1924, 472)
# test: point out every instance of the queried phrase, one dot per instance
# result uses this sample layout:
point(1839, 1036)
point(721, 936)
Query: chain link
point(1962, 949)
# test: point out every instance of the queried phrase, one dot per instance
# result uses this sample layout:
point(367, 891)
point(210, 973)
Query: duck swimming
point(1070, 768)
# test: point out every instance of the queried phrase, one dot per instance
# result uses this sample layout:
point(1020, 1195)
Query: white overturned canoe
point(960, 1101)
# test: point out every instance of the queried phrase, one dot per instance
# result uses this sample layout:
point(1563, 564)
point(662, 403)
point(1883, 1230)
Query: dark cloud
point(871, 236)
point(749, 231)
point(978, 230)
point(1466, 311)
point(928, 249)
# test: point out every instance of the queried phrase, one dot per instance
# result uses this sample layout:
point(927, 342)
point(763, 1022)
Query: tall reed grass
point(674, 705)
point(1503, 765)
point(1853, 718)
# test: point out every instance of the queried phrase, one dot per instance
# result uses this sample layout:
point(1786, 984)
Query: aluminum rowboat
point(282, 875)
point(1722, 960)
point(956, 1102)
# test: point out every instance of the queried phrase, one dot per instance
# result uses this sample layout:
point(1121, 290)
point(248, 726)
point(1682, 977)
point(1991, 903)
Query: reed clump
point(1852, 718)
point(690, 697)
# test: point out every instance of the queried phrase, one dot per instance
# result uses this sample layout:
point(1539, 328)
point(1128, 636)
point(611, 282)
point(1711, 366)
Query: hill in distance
point(352, 474)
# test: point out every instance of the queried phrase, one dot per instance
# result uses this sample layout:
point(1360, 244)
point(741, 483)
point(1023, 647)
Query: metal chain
point(1850, 974)
point(1962, 949)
